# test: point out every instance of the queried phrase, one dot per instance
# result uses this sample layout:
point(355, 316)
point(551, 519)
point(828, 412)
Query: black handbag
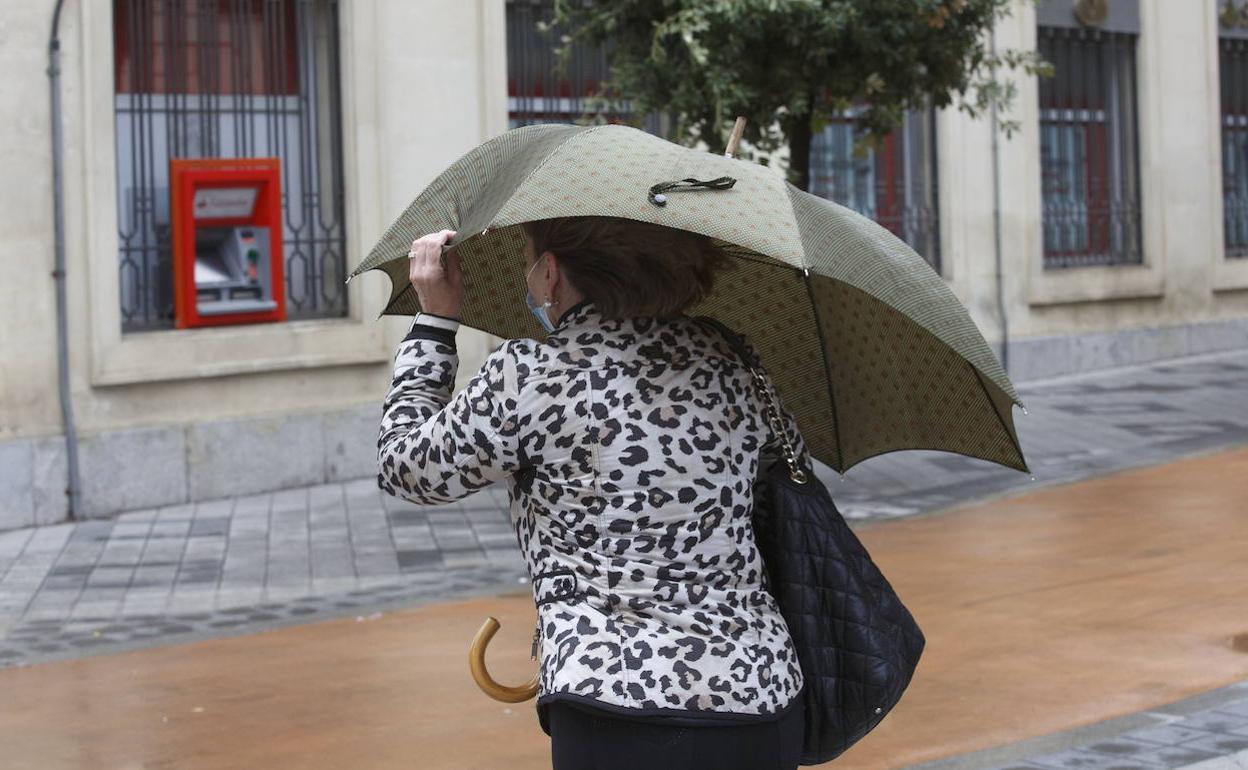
point(857, 644)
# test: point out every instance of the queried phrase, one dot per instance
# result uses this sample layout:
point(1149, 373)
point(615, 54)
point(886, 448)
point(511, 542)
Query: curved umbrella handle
point(480, 674)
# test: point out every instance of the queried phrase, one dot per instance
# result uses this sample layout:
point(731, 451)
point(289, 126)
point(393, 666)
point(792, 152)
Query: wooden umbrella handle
point(480, 674)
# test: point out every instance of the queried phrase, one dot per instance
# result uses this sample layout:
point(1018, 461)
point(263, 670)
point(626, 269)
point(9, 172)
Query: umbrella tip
point(737, 129)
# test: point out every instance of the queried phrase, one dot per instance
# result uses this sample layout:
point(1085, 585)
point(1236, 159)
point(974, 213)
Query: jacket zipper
point(537, 635)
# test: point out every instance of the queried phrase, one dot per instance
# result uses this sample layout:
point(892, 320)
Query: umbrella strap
point(689, 183)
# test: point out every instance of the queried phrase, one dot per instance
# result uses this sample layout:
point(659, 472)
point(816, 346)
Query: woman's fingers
point(435, 276)
point(425, 256)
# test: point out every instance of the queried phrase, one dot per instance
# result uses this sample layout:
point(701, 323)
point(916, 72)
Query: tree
point(791, 65)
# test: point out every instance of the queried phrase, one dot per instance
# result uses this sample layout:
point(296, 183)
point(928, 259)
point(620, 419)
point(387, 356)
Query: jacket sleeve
point(437, 448)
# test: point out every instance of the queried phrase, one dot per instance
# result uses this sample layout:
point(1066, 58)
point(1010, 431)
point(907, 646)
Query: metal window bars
point(1233, 73)
point(537, 94)
point(1089, 148)
point(897, 188)
point(229, 78)
point(896, 185)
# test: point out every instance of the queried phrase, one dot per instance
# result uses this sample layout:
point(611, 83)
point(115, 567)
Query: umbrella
point(867, 347)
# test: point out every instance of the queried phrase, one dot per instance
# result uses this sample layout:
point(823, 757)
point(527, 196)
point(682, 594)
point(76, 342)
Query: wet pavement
point(242, 564)
point(1100, 625)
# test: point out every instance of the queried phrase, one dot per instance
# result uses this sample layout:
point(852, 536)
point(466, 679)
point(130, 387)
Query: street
point(1056, 621)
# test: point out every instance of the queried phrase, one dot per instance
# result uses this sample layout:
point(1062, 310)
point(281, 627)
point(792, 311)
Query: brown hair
point(630, 268)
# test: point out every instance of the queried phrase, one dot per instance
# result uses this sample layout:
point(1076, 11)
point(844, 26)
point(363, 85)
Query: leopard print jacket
point(632, 452)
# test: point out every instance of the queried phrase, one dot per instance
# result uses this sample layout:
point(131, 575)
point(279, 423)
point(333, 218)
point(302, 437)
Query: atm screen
point(231, 270)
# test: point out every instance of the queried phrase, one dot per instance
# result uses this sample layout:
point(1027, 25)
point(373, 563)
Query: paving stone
point(1123, 747)
point(1077, 759)
point(1218, 743)
point(419, 559)
point(175, 519)
point(408, 518)
point(464, 558)
point(1176, 756)
point(56, 614)
point(14, 541)
point(1238, 708)
point(1213, 721)
point(499, 540)
point(504, 554)
point(98, 610)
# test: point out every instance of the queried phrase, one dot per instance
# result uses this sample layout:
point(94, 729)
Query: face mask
point(536, 309)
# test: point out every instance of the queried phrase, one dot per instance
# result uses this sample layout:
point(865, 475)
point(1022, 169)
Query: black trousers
point(580, 740)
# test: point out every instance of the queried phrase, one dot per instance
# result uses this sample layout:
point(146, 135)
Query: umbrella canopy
point(867, 346)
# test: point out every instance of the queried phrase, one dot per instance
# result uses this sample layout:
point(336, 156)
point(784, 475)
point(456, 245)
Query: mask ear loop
point(549, 302)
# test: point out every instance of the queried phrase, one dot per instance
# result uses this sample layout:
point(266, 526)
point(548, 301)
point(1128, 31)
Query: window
point(1088, 148)
point(895, 185)
point(897, 188)
point(536, 94)
point(1233, 69)
point(229, 79)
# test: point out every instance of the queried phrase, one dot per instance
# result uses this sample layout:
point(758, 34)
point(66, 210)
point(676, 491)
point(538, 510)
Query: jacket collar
point(577, 314)
point(583, 337)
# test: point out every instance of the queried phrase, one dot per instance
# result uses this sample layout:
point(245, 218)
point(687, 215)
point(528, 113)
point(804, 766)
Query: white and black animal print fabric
point(630, 449)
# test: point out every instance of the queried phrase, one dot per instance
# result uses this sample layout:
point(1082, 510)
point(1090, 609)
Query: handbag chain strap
point(773, 415)
point(760, 384)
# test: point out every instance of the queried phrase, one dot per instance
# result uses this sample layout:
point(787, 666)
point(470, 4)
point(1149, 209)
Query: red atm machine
point(227, 241)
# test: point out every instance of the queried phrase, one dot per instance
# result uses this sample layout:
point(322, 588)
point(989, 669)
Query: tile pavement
point(241, 564)
point(1208, 731)
point(228, 566)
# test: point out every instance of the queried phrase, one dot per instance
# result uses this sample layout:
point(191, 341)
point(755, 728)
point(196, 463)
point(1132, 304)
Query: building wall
point(175, 416)
point(1186, 298)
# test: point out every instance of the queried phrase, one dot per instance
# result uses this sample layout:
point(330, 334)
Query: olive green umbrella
point(866, 345)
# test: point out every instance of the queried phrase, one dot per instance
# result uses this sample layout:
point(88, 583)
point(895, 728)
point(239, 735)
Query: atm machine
point(227, 241)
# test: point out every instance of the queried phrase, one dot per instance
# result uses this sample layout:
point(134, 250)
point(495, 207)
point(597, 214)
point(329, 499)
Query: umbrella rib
point(827, 371)
point(992, 405)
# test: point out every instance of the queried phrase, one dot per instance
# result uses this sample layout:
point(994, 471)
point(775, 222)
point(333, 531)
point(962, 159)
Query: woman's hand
point(438, 283)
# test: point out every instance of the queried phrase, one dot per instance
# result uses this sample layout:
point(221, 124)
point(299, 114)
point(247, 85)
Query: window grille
point(895, 185)
point(229, 78)
point(1089, 148)
point(535, 94)
point(1233, 69)
point(904, 172)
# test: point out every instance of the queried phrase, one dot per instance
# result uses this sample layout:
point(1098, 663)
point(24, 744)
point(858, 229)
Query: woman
point(631, 441)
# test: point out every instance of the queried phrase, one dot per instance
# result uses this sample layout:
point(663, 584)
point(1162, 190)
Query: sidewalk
point(245, 564)
point(1101, 625)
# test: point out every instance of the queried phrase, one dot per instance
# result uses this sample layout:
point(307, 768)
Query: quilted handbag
point(857, 644)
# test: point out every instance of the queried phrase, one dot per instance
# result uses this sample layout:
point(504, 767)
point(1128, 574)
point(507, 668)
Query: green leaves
point(790, 66)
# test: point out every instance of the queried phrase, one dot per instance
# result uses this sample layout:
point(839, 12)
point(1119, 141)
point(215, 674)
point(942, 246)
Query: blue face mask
point(536, 309)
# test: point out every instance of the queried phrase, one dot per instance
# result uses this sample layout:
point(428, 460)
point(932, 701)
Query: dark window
point(1233, 66)
point(1089, 149)
point(229, 79)
point(900, 181)
point(895, 185)
point(537, 94)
